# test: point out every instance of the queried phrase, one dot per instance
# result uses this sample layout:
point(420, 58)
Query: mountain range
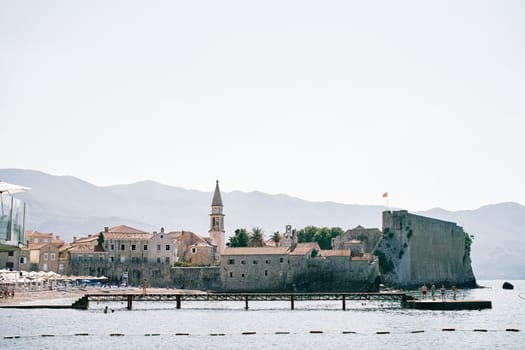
point(71, 207)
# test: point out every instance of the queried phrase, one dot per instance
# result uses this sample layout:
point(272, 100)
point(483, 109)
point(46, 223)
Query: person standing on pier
point(454, 291)
point(144, 286)
point(433, 291)
point(424, 291)
point(442, 293)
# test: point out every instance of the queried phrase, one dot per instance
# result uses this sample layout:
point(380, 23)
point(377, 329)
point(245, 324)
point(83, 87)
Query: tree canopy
point(256, 237)
point(322, 235)
point(239, 239)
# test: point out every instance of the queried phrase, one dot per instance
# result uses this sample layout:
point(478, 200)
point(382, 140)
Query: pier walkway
point(178, 298)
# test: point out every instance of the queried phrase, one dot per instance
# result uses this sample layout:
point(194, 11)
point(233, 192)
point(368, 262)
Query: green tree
point(323, 237)
point(239, 239)
point(276, 237)
point(306, 234)
point(100, 239)
point(256, 237)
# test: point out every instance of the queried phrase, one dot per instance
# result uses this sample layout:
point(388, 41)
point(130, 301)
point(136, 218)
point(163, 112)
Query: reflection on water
point(221, 324)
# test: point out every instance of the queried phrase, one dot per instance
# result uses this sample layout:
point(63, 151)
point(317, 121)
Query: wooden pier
point(178, 298)
point(449, 304)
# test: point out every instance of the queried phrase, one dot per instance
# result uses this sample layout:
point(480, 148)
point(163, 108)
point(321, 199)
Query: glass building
point(12, 223)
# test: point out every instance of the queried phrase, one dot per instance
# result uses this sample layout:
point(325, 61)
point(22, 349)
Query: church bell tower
point(217, 220)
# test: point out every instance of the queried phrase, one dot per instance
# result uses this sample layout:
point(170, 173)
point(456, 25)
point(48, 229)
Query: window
point(231, 274)
point(80, 258)
point(242, 274)
point(158, 260)
point(266, 272)
point(267, 262)
point(158, 246)
point(46, 255)
point(145, 247)
point(22, 260)
point(243, 262)
point(167, 260)
point(122, 247)
point(10, 253)
point(281, 260)
point(193, 250)
point(60, 267)
point(255, 262)
point(145, 260)
point(112, 247)
point(112, 259)
point(231, 262)
point(101, 258)
point(133, 247)
point(167, 247)
point(53, 256)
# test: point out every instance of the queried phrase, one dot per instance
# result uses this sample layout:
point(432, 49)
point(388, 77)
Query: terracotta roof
point(34, 233)
point(365, 256)
point(305, 248)
point(123, 229)
point(179, 235)
point(335, 252)
point(255, 251)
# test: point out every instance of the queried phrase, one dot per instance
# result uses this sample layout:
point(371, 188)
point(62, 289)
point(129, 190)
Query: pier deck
point(244, 297)
point(448, 305)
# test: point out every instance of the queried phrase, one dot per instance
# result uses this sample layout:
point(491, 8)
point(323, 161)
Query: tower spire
point(217, 200)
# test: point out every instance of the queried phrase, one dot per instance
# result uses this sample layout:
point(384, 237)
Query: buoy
point(382, 332)
point(282, 332)
point(512, 330)
point(448, 329)
point(480, 330)
point(116, 335)
point(248, 333)
point(419, 331)
point(48, 335)
point(349, 332)
point(316, 332)
point(217, 334)
point(182, 333)
point(81, 334)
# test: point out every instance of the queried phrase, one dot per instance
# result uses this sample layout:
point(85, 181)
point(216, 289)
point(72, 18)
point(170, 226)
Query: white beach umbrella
point(8, 188)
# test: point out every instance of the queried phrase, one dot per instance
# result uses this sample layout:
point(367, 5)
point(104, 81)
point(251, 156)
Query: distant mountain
point(70, 207)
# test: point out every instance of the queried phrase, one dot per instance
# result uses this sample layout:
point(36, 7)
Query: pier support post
point(130, 301)
point(292, 301)
point(344, 302)
point(246, 302)
point(178, 301)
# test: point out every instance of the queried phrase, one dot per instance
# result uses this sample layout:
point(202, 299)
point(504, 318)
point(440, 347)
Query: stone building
point(41, 252)
point(369, 237)
point(417, 249)
point(305, 268)
point(192, 249)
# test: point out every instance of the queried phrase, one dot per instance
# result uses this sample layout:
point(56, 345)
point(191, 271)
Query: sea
point(272, 324)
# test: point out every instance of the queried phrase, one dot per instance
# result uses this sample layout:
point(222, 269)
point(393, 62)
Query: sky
point(323, 100)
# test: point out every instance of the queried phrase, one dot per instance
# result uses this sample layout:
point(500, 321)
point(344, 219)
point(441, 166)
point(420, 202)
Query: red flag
point(385, 194)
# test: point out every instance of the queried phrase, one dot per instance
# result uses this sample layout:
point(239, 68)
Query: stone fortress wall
point(424, 250)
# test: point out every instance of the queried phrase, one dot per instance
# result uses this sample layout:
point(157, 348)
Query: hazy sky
point(323, 100)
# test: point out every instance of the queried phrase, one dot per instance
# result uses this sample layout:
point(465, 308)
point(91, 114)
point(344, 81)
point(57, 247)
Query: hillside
point(70, 207)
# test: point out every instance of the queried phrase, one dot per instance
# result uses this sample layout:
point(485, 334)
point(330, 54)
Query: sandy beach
point(60, 297)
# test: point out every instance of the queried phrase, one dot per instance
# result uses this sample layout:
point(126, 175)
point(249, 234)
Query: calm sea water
point(220, 325)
